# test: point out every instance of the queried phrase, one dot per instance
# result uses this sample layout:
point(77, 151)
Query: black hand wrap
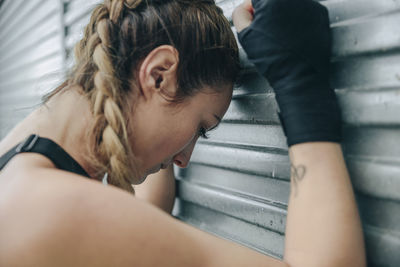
point(289, 41)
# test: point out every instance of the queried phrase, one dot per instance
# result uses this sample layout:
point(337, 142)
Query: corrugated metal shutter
point(31, 56)
point(77, 16)
point(237, 184)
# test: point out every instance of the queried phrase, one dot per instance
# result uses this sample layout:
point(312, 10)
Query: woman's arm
point(159, 189)
point(289, 42)
point(80, 222)
point(323, 226)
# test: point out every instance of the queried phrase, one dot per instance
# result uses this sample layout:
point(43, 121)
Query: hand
point(289, 42)
point(243, 15)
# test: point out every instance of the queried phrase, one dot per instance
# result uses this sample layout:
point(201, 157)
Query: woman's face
point(165, 133)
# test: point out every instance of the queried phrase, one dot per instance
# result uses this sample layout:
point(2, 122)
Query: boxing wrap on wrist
point(289, 42)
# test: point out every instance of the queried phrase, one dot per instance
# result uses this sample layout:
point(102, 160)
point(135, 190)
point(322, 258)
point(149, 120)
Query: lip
point(165, 165)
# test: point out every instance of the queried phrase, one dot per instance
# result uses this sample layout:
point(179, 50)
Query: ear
point(157, 73)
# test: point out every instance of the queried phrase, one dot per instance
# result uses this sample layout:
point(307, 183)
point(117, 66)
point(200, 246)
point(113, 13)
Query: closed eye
point(203, 133)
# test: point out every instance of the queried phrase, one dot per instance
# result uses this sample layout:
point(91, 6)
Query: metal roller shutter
point(31, 56)
point(77, 16)
point(237, 184)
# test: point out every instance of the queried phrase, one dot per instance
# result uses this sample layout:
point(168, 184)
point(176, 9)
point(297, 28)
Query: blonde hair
point(111, 147)
point(119, 36)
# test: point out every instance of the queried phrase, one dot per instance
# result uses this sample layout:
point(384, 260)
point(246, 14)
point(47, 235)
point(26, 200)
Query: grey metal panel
point(369, 72)
point(232, 228)
point(76, 18)
point(75, 31)
point(382, 246)
point(247, 107)
point(243, 207)
point(11, 21)
point(355, 10)
point(255, 135)
point(381, 213)
point(32, 70)
point(267, 162)
point(18, 51)
point(1, 3)
point(358, 107)
point(27, 93)
point(243, 168)
point(33, 26)
point(376, 178)
point(375, 142)
point(78, 10)
point(9, 9)
point(378, 34)
point(31, 56)
point(340, 11)
point(269, 189)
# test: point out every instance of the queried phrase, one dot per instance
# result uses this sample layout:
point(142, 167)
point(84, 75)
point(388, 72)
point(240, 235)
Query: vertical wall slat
point(31, 56)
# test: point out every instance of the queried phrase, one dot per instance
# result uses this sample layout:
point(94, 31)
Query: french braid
point(112, 149)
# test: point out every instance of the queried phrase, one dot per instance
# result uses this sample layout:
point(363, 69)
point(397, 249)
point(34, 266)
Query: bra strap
point(46, 147)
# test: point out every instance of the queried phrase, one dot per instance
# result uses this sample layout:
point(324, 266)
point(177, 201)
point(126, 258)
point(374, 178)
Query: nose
point(182, 158)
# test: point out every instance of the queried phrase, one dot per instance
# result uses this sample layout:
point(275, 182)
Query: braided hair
point(120, 34)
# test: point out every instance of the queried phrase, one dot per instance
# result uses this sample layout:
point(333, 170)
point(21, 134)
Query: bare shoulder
point(67, 220)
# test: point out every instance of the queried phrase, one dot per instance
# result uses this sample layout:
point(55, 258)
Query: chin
point(141, 179)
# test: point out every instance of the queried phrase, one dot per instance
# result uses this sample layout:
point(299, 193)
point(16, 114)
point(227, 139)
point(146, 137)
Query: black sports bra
point(47, 148)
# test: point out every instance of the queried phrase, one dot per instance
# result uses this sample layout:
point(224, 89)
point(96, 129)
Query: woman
point(150, 78)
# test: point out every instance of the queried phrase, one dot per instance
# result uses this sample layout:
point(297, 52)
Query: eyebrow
point(219, 121)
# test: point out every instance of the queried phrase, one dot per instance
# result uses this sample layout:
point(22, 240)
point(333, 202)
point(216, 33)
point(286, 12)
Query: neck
point(66, 119)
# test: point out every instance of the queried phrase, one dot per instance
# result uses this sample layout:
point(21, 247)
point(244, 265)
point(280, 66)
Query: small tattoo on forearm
point(297, 174)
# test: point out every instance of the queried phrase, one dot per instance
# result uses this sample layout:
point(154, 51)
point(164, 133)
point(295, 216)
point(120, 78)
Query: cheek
point(181, 139)
point(182, 136)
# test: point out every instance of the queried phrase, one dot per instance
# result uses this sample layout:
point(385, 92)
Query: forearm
point(159, 189)
point(323, 224)
point(289, 42)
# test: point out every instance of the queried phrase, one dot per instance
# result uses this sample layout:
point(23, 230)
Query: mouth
point(165, 165)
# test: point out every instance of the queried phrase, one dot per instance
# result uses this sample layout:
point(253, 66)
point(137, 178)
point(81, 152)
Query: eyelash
point(203, 133)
